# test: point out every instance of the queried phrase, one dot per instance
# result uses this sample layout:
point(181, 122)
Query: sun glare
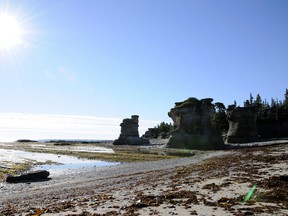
point(10, 32)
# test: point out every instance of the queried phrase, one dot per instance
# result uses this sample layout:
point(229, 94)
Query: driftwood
point(38, 175)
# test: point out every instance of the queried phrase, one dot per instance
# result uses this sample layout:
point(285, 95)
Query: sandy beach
point(208, 183)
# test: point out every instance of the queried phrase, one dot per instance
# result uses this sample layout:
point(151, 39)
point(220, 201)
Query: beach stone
point(27, 177)
point(194, 129)
point(129, 133)
point(242, 125)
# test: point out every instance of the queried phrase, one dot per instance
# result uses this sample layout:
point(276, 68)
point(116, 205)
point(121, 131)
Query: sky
point(107, 60)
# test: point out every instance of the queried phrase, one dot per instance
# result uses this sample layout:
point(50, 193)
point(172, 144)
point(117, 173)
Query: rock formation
point(242, 125)
point(193, 121)
point(273, 122)
point(129, 133)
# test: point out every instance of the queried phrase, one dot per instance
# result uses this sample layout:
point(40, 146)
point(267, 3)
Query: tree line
point(258, 103)
point(274, 111)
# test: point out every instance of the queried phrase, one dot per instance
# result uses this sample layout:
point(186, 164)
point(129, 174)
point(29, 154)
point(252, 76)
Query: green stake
point(250, 194)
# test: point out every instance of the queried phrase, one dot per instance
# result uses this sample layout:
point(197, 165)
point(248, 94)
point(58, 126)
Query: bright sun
point(10, 32)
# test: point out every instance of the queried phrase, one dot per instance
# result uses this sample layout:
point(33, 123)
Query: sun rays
point(11, 32)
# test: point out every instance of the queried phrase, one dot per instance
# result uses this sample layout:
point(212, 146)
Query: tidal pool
point(55, 162)
point(74, 163)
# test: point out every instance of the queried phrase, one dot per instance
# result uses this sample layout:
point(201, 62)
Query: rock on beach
point(31, 176)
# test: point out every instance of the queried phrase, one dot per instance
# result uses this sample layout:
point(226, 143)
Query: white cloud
point(15, 126)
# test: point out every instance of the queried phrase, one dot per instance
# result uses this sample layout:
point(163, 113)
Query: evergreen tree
point(273, 103)
point(258, 99)
point(220, 107)
point(286, 98)
point(265, 103)
point(251, 100)
point(258, 102)
point(247, 103)
point(164, 127)
point(220, 118)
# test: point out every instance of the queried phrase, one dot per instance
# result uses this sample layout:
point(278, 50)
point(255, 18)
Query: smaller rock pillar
point(129, 132)
point(242, 125)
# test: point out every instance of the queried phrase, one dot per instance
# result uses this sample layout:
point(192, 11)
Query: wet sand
point(209, 183)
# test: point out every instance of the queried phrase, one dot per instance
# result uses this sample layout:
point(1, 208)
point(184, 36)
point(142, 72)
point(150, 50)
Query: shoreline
point(210, 183)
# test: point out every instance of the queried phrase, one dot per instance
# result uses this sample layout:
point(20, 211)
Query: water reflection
point(56, 161)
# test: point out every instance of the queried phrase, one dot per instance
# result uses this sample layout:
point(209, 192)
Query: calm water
point(61, 163)
point(77, 164)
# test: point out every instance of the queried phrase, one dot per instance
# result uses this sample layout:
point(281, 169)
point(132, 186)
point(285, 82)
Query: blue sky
point(111, 59)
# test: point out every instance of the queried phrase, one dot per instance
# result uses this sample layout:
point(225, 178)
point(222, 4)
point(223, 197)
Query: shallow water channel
point(55, 162)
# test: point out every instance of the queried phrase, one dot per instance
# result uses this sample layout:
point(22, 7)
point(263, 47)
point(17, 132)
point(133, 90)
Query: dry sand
point(209, 183)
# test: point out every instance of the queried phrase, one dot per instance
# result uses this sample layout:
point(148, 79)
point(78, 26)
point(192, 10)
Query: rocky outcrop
point(194, 129)
point(25, 140)
point(273, 122)
point(129, 133)
point(242, 125)
point(272, 129)
point(39, 175)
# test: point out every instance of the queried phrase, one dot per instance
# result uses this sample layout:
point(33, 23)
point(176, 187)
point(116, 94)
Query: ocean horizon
point(16, 126)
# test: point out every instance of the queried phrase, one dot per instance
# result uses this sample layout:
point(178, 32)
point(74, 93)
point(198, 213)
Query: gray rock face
point(129, 133)
point(194, 129)
point(273, 122)
point(242, 125)
point(273, 129)
point(27, 177)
